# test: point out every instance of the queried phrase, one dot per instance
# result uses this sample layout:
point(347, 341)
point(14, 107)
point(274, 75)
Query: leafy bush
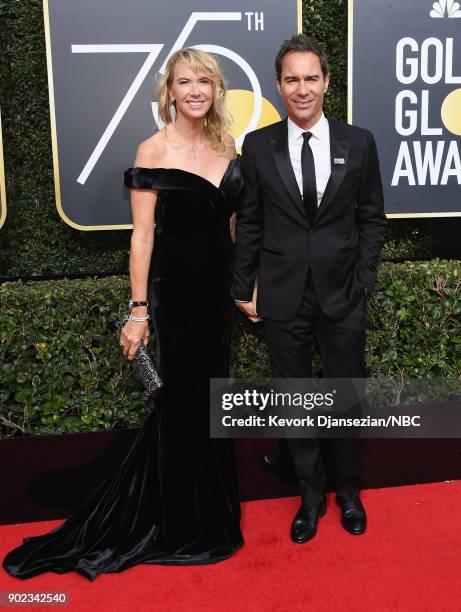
point(62, 370)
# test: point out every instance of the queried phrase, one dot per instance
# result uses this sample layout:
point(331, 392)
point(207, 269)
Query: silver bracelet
point(132, 318)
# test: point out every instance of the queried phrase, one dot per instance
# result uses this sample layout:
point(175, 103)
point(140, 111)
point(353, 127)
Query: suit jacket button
point(311, 231)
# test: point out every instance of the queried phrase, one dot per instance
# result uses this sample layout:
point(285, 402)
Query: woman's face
point(192, 91)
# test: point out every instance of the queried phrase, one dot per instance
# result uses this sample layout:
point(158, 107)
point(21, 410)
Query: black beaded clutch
point(143, 365)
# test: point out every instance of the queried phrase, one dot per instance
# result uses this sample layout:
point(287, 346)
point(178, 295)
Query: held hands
point(132, 334)
point(249, 308)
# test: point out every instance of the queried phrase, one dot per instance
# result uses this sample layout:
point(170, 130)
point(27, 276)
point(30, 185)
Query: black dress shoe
point(280, 466)
point(304, 526)
point(353, 518)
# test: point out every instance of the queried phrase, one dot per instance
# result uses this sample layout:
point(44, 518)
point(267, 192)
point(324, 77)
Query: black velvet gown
point(173, 498)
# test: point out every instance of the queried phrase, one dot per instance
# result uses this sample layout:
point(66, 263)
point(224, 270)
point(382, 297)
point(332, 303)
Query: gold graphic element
point(451, 112)
point(2, 180)
point(350, 48)
point(240, 102)
point(421, 215)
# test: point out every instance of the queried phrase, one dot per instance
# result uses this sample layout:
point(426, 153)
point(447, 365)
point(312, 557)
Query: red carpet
point(409, 559)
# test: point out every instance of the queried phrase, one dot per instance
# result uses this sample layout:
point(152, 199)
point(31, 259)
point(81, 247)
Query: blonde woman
point(173, 499)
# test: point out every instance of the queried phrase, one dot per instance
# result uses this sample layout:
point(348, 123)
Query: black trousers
point(342, 352)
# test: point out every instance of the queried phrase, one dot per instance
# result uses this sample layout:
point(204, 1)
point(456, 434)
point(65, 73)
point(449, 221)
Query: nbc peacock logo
point(445, 8)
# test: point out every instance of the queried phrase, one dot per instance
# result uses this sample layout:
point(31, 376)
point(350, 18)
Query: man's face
point(302, 87)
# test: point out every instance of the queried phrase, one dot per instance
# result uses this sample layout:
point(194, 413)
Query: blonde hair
point(217, 119)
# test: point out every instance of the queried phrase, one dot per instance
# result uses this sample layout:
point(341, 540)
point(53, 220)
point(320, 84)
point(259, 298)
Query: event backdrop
point(405, 86)
point(35, 241)
point(103, 59)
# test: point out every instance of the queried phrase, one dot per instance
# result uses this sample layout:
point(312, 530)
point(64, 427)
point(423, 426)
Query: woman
point(173, 499)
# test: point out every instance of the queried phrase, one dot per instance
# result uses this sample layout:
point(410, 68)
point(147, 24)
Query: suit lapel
point(339, 152)
point(281, 155)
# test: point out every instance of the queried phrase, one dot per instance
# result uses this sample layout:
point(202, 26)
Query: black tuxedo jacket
point(276, 243)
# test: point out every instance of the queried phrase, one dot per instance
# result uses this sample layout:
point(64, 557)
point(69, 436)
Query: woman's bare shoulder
point(151, 151)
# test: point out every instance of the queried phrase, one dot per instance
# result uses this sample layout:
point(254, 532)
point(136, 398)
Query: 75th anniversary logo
point(103, 58)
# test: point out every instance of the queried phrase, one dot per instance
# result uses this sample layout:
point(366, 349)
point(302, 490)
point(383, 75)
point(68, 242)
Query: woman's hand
point(132, 334)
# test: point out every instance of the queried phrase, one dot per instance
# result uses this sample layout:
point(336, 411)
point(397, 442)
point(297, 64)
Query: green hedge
point(34, 239)
point(62, 370)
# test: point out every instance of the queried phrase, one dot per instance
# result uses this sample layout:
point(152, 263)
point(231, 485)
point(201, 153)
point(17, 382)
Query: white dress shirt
point(320, 145)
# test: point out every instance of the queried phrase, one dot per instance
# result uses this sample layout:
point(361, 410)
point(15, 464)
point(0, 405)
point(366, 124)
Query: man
point(310, 231)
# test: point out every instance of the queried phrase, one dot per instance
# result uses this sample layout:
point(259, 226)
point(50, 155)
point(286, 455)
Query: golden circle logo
point(451, 112)
point(240, 104)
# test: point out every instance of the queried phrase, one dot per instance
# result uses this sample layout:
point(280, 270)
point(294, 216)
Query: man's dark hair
point(302, 44)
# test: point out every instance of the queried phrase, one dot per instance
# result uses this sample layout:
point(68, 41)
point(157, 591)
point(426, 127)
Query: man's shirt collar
point(320, 130)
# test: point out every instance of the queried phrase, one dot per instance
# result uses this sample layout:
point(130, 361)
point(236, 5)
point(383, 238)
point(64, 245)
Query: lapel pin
point(339, 160)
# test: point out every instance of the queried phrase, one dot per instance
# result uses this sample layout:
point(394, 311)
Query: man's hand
point(249, 308)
